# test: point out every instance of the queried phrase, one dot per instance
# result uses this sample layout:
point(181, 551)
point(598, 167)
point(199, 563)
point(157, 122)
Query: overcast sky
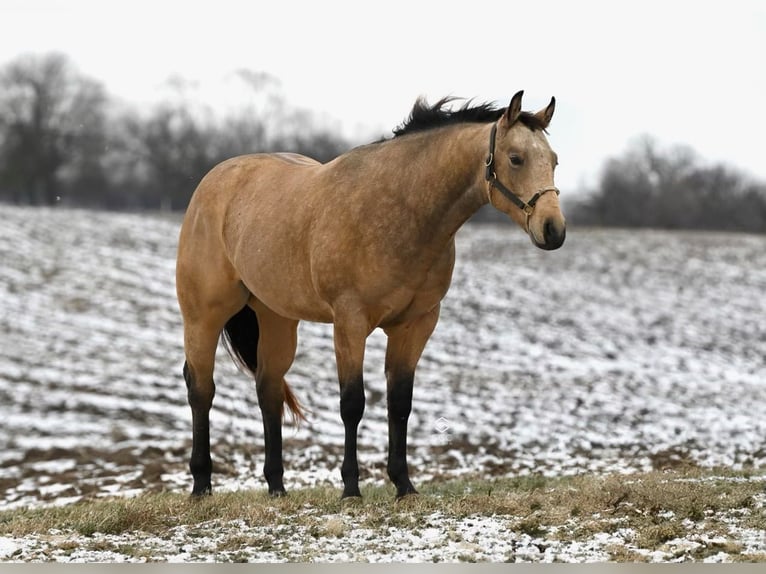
point(685, 72)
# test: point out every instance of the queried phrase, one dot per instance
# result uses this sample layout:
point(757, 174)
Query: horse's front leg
point(350, 334)
point(405, 346)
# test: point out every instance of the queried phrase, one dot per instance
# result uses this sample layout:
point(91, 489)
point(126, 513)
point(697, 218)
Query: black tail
point(240, 337)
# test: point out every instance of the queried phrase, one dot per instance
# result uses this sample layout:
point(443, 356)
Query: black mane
point(425, 117)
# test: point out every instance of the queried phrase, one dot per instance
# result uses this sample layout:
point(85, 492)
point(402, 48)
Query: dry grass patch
point(648, 510)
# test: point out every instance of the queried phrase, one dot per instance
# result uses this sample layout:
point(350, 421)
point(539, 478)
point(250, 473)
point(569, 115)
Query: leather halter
point(528, 207)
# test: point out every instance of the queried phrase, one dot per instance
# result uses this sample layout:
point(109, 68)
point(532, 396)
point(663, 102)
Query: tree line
point(673, 188)
point(64, 140)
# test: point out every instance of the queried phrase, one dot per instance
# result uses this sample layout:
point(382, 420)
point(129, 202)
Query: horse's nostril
point(553, 236)
point(549, 231)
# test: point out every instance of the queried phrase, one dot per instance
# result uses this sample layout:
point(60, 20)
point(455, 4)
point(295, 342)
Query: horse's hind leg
point(277, 342)
point(405, 345)
point(204, 319)
point(198, 374)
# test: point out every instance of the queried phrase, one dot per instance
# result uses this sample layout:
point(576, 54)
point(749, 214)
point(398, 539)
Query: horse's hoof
point(277, 493)
point(408, 495)
point(202, 493)
point(404, 490)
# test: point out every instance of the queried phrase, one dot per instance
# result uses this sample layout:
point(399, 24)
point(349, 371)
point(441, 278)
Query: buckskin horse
point(364, 241)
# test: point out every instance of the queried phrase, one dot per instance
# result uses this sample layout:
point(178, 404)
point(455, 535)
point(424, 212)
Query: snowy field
point(622, 351)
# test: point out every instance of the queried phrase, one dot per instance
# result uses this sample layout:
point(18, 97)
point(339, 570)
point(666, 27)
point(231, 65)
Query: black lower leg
point(273, 468)
point(351, 411)
point(200, 464)
point(399, 408)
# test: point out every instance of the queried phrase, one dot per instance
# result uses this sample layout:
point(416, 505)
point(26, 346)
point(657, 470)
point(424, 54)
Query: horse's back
point(294, 158)
point(237, 179)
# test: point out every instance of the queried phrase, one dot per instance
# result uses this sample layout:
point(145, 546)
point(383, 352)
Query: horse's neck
point(443, 182)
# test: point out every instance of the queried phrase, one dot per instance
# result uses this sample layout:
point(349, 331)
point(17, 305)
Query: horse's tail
point(240, 337)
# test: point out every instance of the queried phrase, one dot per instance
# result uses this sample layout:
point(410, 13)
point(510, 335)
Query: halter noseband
point(528, 207)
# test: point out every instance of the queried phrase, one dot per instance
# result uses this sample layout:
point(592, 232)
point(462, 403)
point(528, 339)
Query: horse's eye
point(517, 160)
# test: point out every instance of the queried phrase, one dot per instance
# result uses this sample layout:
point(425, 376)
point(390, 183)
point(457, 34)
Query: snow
point(616, 352)
point(345, 538)
point(7, 547)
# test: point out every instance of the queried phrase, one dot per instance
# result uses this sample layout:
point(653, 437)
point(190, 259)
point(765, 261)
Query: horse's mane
point(425, 117)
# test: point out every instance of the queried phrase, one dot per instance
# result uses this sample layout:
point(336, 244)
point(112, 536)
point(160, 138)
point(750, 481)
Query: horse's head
point(519, 173)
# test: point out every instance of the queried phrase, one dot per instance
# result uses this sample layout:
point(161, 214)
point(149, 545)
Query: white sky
point(685, 72)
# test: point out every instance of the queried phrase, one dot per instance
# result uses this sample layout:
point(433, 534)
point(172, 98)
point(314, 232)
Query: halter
point(527, 207)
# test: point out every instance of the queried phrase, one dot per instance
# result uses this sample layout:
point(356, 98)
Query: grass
point(651, 510)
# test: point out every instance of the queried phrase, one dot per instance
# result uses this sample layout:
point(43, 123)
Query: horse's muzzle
point(554, 233)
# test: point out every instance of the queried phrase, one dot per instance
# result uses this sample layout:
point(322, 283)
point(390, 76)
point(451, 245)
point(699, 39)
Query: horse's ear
point(514, 109)
point(546, 114)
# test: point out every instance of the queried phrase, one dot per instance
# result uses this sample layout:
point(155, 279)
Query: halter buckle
point(489, 172)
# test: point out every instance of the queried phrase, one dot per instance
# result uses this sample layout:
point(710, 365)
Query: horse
point(364, 241)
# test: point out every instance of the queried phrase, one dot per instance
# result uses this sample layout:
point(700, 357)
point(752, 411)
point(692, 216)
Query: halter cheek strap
point(528, 207)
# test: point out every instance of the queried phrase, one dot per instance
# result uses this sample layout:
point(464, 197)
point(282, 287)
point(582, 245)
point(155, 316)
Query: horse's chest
point(412, 291)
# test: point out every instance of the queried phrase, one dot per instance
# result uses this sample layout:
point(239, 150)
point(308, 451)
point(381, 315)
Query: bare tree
point(52, 124)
